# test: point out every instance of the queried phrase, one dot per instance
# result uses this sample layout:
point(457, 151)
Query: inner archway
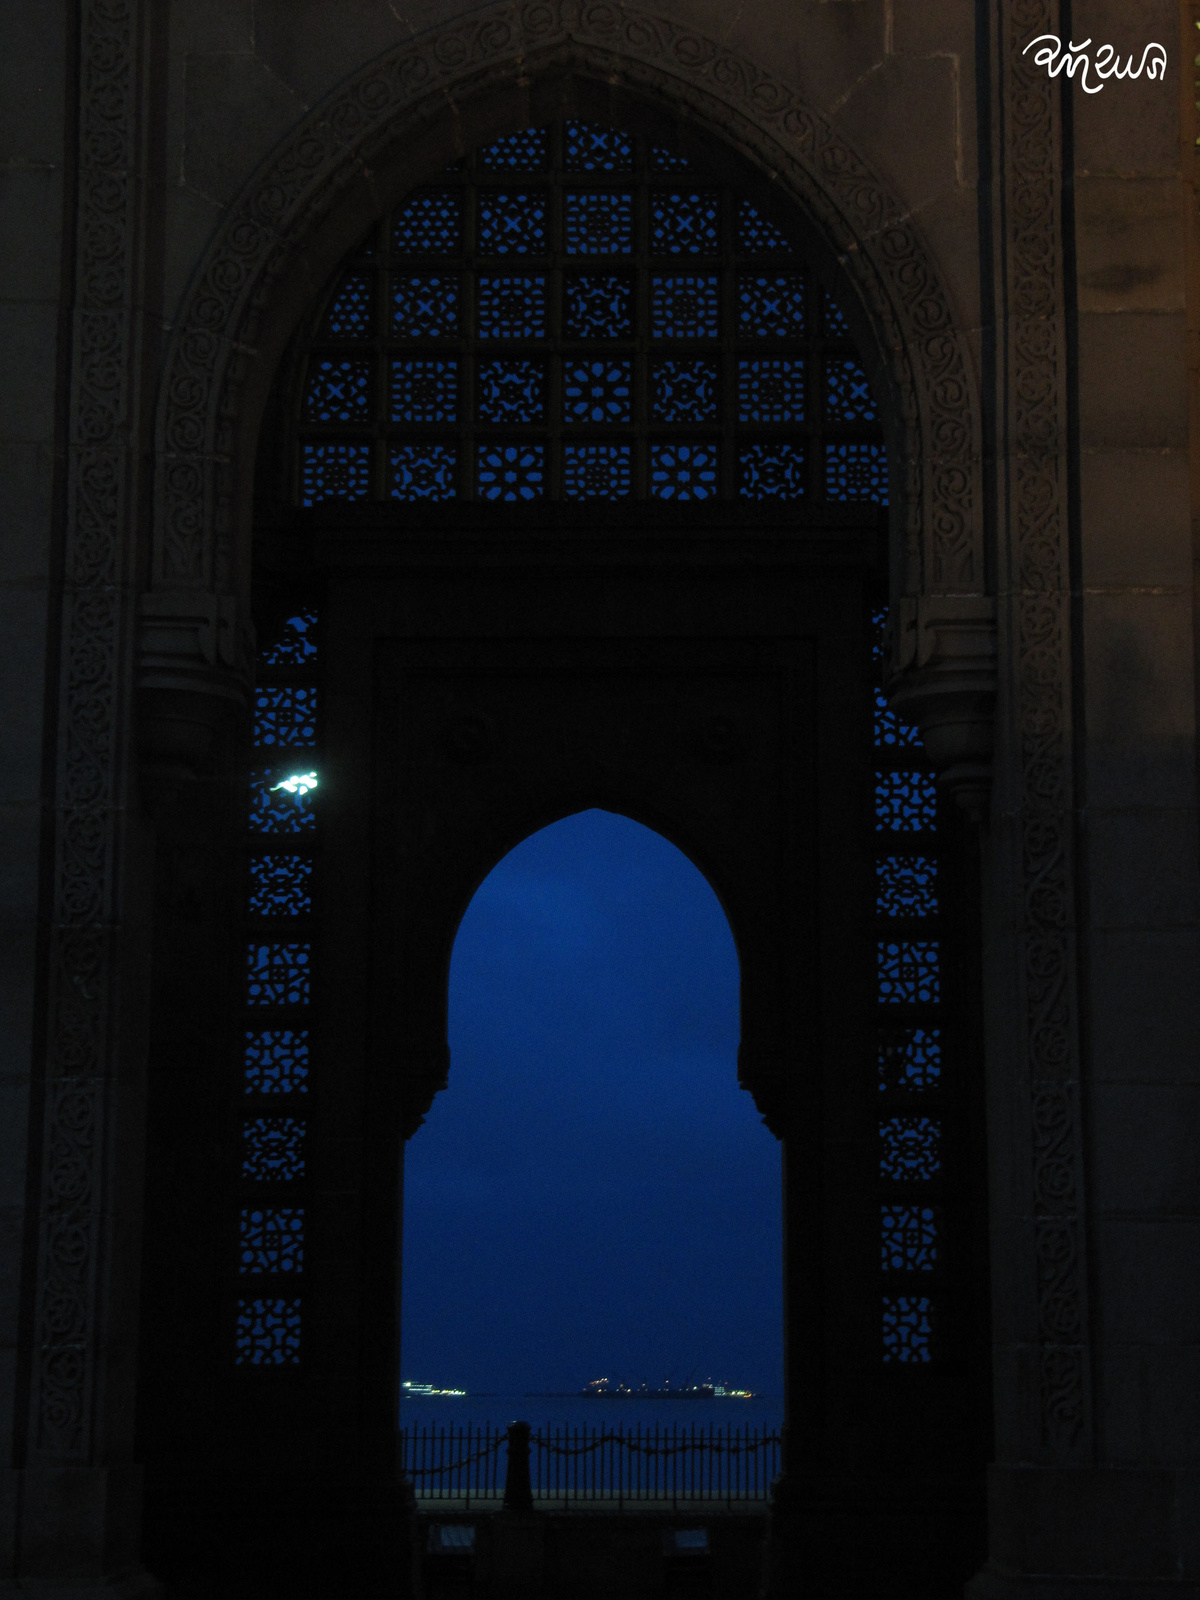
point(594, 1173)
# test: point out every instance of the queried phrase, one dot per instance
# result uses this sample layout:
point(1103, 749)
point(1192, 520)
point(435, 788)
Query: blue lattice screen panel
point(267, 1333)
point(685, 223)
point(271, 1239)
point(273, 1149)
point(907, 1328)
point(572, 279)
point(275, 1061)
point(599, 224)
point(908, 1238)
point(275, 1048)
point(909, 977)
point(909, 1060)
point(910, 1149)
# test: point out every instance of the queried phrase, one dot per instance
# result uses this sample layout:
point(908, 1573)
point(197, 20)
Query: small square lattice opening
point(910, 1149)
point(907, 1328)
point(276, 1061)
point(273, 1149)
point(908, 972)
point(599, 223)
point(910, 1059)
point(271, 1239)
point(683, 471)
point(908, 1238)
point(597, 471)
point(280, 886)
point(267, 1333)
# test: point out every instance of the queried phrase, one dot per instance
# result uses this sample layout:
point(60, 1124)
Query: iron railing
point(558, 1466)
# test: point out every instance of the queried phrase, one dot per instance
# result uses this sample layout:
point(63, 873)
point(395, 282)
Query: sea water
point(764, 1413)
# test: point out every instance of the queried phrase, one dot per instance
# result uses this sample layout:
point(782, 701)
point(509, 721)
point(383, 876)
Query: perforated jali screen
point(572, 313)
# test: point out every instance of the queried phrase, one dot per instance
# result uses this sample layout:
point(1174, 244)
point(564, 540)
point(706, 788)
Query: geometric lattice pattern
point(583, 291)
point(757, 236)
point(424, 390)
point(511, 391)
point(511, 224)
point(910, 1059)
point(590, 148)
point(908, 1236)
point(598, 390)
point(683, 391)
point(511, 308)
point(276, 1061)
point(771, 307)
point(524, 151)
point(267, 1333)
point(684, 224)
point(905, 802)
point(278, 974)
point(425, 306)
point(295, 645)
point(890, 732)
point(907, 1328)
point(597, 471)
point(599, 223)
point(771, 391)
point(856, 472)
point(847, 395)
point(908, 972)
point(285, 715)
point(684, 307)
point(906, 886)
point(272, 1239)
point(429, 223)
point(280, 886)
point(683, 471)
point(338, 391)
point(423, 471)
point(836, 326)
point(598, 307)
point(334, 471)
point(349, 316)
point(510, 472)
point(273, 1149)
point(910, 1149)
point(771, 471)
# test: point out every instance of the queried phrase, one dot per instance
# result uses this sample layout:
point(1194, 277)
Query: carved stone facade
point(1011, 255)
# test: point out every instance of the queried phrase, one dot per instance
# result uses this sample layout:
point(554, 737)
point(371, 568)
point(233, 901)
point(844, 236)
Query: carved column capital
point(194, 652)
point(941, 675)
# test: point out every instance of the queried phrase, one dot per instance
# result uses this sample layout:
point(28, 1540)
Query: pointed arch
point(422, 104)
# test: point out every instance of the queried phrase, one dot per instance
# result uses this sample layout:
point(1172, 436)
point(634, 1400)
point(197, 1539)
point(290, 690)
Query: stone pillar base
point(1066, 1533)
point(135, 1586)
point(994, 1585)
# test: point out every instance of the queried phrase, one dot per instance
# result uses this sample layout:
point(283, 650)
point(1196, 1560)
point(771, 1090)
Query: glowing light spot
point(298, 783)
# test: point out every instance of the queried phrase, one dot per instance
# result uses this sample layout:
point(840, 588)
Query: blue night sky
point(593, 1195)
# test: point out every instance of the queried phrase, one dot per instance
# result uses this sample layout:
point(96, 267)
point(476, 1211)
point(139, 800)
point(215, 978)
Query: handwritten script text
point(1107, 64)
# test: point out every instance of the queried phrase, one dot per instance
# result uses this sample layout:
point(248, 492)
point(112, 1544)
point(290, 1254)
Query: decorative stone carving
point(97, 573)
point(935, 445)
point(1039, 689)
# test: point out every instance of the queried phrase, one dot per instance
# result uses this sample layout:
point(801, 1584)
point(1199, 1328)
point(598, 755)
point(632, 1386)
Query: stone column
point(75, 1489)
point(1091, 858)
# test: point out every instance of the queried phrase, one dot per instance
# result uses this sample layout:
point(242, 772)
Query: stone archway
point(339, 168)
point(193, 644)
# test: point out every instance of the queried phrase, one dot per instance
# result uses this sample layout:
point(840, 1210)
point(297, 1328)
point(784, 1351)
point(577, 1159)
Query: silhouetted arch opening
point(592, 1195)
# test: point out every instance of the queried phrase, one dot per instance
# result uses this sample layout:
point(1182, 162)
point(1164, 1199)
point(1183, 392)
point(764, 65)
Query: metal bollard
point(518, 1495)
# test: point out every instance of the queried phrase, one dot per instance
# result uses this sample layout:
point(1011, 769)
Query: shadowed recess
point(593, 1195)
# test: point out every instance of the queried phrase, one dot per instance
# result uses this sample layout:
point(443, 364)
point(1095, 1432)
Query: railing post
point(518, 1492)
